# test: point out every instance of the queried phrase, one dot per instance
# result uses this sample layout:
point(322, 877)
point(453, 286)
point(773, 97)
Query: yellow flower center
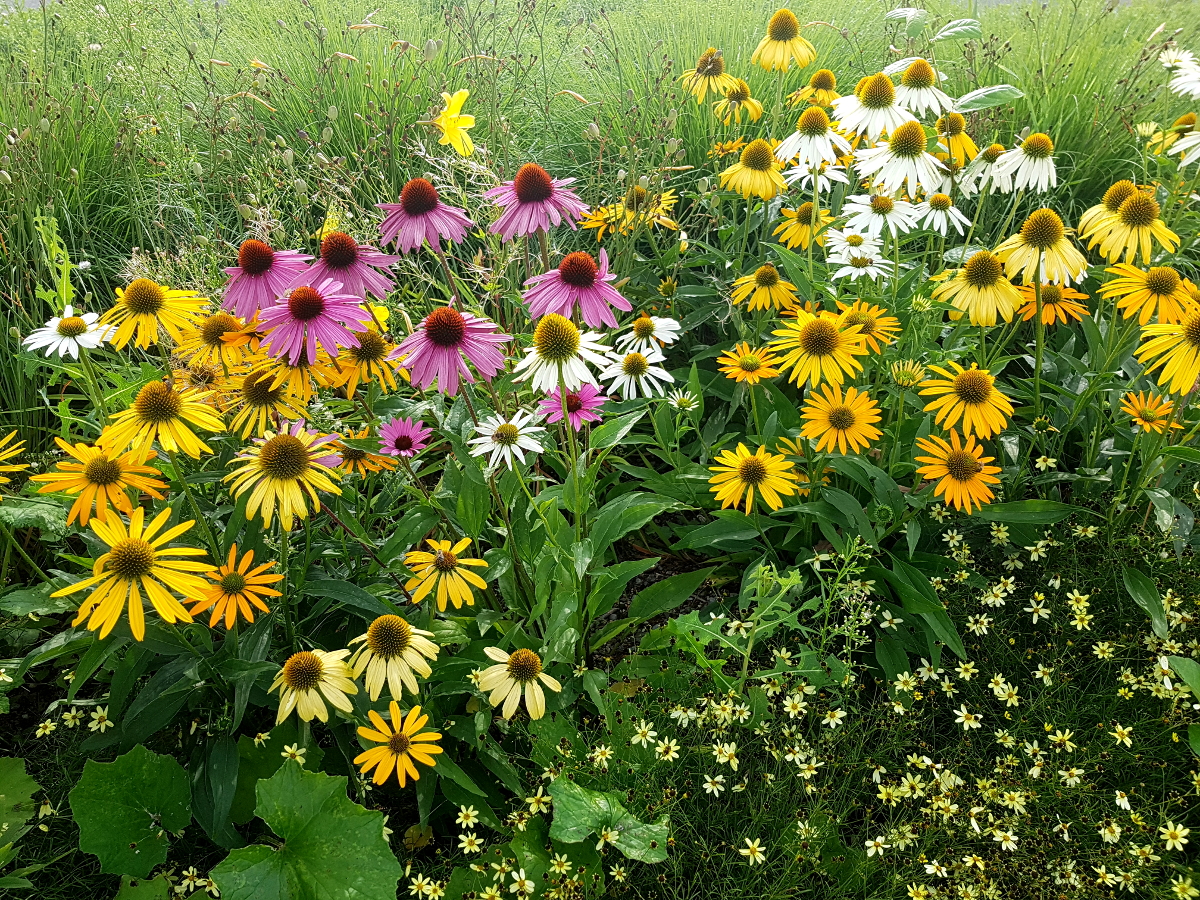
point(804, 213)
point(758, 156)
point(882, 204)
point(102, 471)
point(908, 141)
point(739, 93)
point(556, 338)
point(1139, 211)
point(784, 26)
point(399, 742)
point(371, 347)
point(1118, 194)
point(1043, 229)
point(919, 74)
point(72, 326)
point(962, 466)
point(1149, 416)
point(284, 457)
point(841, 418)
point(524, 665)
point(1191, 330)
point(1038, 146)
point(636, 195)
point(952, 124)
point(131, 559)
point(1184, 124)
point(506, 434)
point(823, 80)
point(992, 153)
point(752, 471)
point(750, 363)
point(867, 323)
point(711, 64)
point(766, 276)
point(635, 364)
point(983, 269)
point(643, 327)
point(940, 202)
point(861, 262)
point(813, 122)
point(157, 402)
point(854, 240)
point(303, 671)
point(819, 337)
point(257, 390)
point(1162, 281)
point(389, 636)
point(143, 297)
point(877, 92)
point(973, 387)
point(216, 325)
point(233, 582)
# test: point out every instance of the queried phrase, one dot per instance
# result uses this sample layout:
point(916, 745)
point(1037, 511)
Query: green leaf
point(723, 533)
point(1029, 512)
point(609, 583)
point(1145, 594)
point(625, 514)
point(214, 772)
point(16, 798)
point(987, 97)
point(351, 595)
point(144, 889)
point(26, 512)
point(665, 595)
point(474, 503)
point(960, 30)
point(1188, 670)
point(610, 433)
point(35, 601)
point(333, 849)
point(256, 763)
point(125, 809)
point(579, 812)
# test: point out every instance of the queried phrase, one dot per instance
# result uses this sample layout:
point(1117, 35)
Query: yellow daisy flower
point(843, 422)
point(285, 470)
point(740, 473)
point(1042, 237)
point(392, 650)
point(301, 378)
point(821, 90)
point(262, 402)
point(963, 470)
point(708, 75)
point(1135, 227)
point(765, 289)
point(99, 477)
point(516, 673)
point(1177, 348)
point(782, 44)
point(7, 451)
point(161, 413)
point(969, 395)
point(1149, 411)
point(1096, 221)
point(756, 173)
point(819, 347)
point(877, 328)
point(749, 365)
point(144, 306)
point(799, 229)
point(220, 339)
point(1158, 289)
point(311, 677)
point(980, 290)
point(363, 462)
point(366, 363)
point(1058, 304)
point(955, 144)
point(403, 743)
point(443, 569)
point(237, 588)
point(737, 101)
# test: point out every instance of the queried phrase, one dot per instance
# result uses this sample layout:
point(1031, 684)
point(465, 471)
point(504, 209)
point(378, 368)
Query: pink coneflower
point(421, 216)
point(261, 277)
point(311, 315)
point(577, 280)
point(532, 201)
point(582, 405)
point(444, 343)
point(403, 437)
point(353, 264)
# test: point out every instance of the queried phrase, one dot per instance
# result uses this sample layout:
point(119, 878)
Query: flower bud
point(431, 50)
point(197, 169)
point(326, 135)
point(331, 113)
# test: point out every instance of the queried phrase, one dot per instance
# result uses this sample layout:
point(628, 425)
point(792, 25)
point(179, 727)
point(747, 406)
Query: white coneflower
point(505, 438)
point(637, 374)
point(1189, 148)
point(647, 333)
point(983, 171)
point(861, 265)
point(875, 214)
point(840, 244)
point(826, 177)
point(901, 163)
point(1173, 57)
point(956, 178)
point(64, 335)
point(684, 401)
point(1031, 165)
point(872, 109)
point(1185, 80)
point(814, 140)
point(560, 354)
point(939, 213)
point(918, 91)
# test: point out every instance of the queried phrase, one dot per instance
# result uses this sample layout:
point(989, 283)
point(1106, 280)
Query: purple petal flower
point(582, 405)
point(532, 201)
point(444, 343)
point(352, 264)
point(261, 277)
point(403, 437)
point(311, 315)
point(578, 280)
point(421, 216)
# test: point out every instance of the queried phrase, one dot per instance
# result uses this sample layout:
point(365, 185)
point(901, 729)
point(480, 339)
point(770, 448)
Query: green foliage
point(16, 798)
point(579, 813)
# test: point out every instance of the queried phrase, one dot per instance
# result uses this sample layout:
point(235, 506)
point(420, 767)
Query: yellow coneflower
point(402, 743)
point(237, 588)
point(765, 289)
point(311, 677)
point(220, 339)
point(263, 404)
point(962, 470)
point(138, 564)
point(737, 100)
point(368, 362)
point(161, 413)
point(1157, 290)
point(791, 447)
point(727, 148)
point(980, 290)
point(821, 90)
point(845, 422)
point(798, 228)
point(204, 379)
point(144, 306)
point(906, 373)
point(610, 219)
point(99, 477)
point(744, 363)
point(444, 569)
point(1042, 237)
point(969, 395)
point(1096, 220)
point(955, 143)
point(1133, 228)
point(301, 378)
point(1177, 348)
point(392, 650)
point(782, 44)
point(740, 473)
point(1149, 411)
point(7, 451)
point(821, 347)
point(1058, 304)
point(877, 328)
point(364, 462)
point(708, 75)
point(1161, 141)
point(642, 206)
point(756, 173)
point(516, 673)
point(285, 470)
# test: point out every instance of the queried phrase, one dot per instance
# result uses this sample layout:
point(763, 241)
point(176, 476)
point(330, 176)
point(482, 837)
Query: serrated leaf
point(579, 812)
point(960, 30)
point(987, 97)
point(16, 797)
point(333, 849)
point(125, 809)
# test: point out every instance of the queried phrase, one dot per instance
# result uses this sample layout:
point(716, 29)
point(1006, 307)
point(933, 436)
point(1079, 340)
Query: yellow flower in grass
point(877, 328)
point(1161, 141)
point(1059, 304)
point(737, 101)
point(727, 148)
point(161, 413)
point(954, 142)
point(144, 306)
point(708, 75)
point(138, 564)
point(1177, 348)
point(743, 363)
point(453, 124)
point(1158, 289)
point(783, 44)
point(765, 289)
point(611, 219)
point(1149, 411)
point(969, 396)
point(756, 173)
point(821, 90)
point(401, 744)
point(1042, 236)
point(262, 403)
point(310, 678)
point(834, 420)
point(285, 470)
point(516, 673)
point(962, 470)
point(7, 451)
point(99, 477)
point(444, 569)
point(237, 588)
point(392, 650)
point(203, 379)
point(980, 290)
point(740, 474)
point(819, 347)
point(364, 462)
point(799, 229)
point(1135, 227)
point(366, 363)
point(219, 340)
point(301, 378)
point(1096, 221)
point(790, 447)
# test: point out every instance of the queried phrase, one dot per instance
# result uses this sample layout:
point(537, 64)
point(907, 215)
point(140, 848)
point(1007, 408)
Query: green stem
point(574, 460)
point(94, 384)
point(11, 539)
point(187, 491)
point(1039, 336)
point(289, 627)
